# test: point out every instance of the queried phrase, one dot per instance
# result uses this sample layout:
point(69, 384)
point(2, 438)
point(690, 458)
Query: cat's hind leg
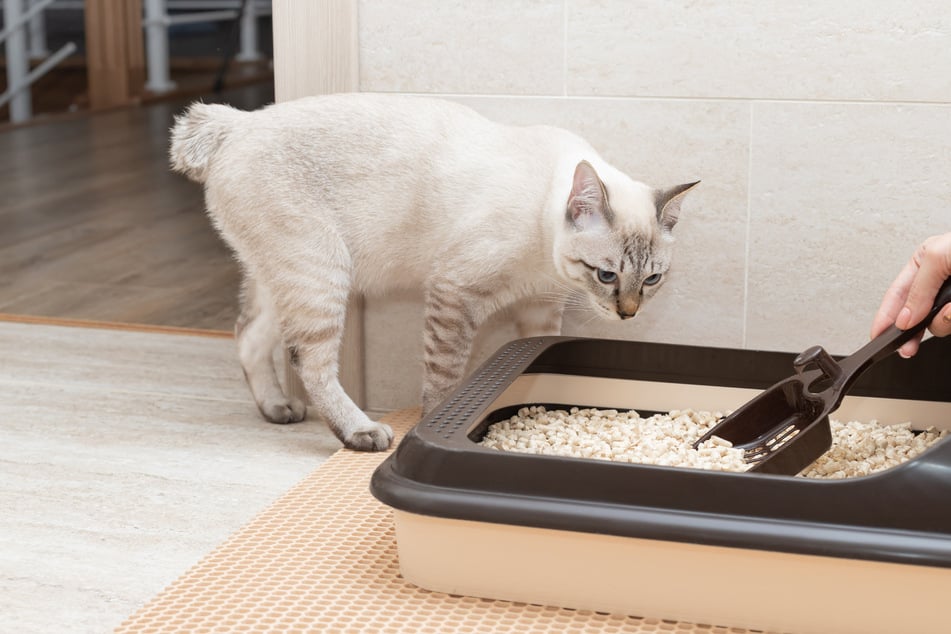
point(310, 284)
point(258, 335)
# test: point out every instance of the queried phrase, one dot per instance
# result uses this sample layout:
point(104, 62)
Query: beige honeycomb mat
point(322, 558)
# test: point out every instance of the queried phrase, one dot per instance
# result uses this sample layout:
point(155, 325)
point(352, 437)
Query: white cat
point(325, 196)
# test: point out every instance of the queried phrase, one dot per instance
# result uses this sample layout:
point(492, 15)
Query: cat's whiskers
point(559, 283)
point(563, 293)
point(554, 294)
point(589, 320)
point(559, 296)
point(569, 302)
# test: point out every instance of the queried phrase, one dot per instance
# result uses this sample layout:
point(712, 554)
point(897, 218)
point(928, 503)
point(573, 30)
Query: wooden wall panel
point(115, 59)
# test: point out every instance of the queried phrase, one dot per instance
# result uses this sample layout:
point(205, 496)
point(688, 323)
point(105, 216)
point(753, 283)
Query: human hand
point(911, 296)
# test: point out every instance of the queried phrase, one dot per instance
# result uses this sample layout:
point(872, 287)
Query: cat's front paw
point(289, 411)
point(369, 437)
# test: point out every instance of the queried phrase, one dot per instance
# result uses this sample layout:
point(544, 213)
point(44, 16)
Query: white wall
point(821, 132)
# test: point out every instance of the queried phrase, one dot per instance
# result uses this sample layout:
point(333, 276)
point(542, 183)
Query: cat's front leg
point(452, 317)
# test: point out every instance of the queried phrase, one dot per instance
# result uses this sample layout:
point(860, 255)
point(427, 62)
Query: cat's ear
point(588, 201)
point(668, 204)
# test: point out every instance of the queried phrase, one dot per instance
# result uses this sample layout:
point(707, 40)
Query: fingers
point(934, 267)
point(910, 347)
point(894, 298)
point(911, 296)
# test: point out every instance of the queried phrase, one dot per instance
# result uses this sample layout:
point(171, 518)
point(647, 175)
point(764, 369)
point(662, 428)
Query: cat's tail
point(196, 136)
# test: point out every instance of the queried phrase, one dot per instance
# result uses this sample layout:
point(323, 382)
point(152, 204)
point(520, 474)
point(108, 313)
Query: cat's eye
point(607, 277)
point(652, 279)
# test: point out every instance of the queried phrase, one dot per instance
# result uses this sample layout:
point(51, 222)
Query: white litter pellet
point(667, 439)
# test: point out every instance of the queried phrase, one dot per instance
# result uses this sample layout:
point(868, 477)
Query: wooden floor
point(94, 226)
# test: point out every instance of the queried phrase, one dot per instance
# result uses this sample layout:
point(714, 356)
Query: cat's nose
point(627, 306)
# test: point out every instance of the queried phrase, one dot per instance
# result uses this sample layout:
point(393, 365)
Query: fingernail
point(903, 318)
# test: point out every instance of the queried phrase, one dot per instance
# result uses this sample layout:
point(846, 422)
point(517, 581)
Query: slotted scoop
point(786, 428)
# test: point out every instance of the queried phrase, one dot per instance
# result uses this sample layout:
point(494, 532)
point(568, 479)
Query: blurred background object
point(73, 55)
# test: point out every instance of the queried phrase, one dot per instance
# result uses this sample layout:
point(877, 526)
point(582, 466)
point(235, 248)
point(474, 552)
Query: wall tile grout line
point(749, 222)
point(564, 42)
point(761, 100)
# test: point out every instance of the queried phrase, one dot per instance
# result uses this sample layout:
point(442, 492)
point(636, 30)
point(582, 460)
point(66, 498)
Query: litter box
point(863, 555)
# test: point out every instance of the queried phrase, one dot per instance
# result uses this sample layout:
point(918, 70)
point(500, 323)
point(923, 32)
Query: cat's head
point(615, 243)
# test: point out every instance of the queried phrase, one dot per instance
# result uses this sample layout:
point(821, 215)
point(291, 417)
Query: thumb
point(934, 267)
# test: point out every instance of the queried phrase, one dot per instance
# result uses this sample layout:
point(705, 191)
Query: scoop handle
point(892, 339)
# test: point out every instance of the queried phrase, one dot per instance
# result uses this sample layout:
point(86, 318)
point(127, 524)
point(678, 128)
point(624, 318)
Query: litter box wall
point(822, 134)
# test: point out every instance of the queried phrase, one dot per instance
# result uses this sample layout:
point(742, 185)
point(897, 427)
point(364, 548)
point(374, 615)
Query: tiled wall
point(821, 132)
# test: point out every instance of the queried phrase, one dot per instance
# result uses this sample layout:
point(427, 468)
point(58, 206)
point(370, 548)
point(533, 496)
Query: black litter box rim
point(901, 515)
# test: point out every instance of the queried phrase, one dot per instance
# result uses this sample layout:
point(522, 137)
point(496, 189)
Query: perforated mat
point(323, 558)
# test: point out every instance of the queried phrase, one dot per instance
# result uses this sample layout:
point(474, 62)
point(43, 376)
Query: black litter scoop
point(786, 428)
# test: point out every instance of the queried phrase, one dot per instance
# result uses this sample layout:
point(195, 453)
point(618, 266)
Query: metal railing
point(24, 36)
point(17, 22)
point(157, 21)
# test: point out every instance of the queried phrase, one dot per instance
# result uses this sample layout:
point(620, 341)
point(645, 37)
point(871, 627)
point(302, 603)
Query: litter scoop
point(786, 428)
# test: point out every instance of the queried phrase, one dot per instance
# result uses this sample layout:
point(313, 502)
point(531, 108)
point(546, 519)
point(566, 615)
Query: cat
point(324, 196)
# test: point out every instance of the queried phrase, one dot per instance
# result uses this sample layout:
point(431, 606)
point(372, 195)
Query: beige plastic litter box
point(863, 555)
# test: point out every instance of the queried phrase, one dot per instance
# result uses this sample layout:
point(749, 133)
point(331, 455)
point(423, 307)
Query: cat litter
point(858, 448)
